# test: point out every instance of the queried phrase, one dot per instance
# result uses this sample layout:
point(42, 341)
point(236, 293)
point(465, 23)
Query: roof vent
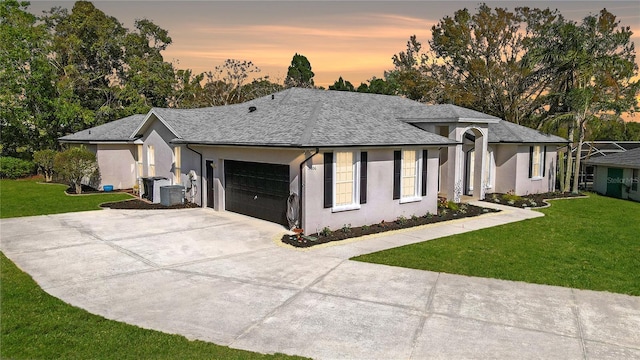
point(273, 96)
point(252, 109)
point(89, 132)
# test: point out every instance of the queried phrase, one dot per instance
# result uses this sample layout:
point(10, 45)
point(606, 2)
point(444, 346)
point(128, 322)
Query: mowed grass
point(29, 197)
point(36, 325)
point(587, 243)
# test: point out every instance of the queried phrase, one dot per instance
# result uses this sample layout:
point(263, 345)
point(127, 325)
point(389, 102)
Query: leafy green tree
point(299, 73)
point(45, 160)
point(104, 70)
point(148, 77)
point(378, 86)
point(411, 73)
point(27, 93)
point(76, 164)
point(593, 67)
point(481, 62)
point(341, 85)
point(187, 92)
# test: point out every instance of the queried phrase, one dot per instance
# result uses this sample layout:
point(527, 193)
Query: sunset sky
point(352, 39)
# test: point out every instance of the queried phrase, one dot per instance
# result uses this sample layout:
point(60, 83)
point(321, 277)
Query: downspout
point(201, 176)
point(300, 184)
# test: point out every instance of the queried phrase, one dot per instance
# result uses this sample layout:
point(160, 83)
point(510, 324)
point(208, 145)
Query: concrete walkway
point(224, 278)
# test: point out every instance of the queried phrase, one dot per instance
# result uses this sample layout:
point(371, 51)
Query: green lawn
point(36, 325)
point(29, 197)
point(588, 243)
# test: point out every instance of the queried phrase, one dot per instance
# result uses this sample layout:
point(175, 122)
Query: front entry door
point(209, 183)
point(614, 182)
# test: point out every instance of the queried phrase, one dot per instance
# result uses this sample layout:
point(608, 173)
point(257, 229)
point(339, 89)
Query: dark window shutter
point(530, 161)
point(363, 177)
point(397, 169)
point(544, 161)
point(328, 180)
point(424, 172)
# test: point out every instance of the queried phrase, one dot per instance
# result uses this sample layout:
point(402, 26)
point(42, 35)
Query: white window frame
point(355, 200)
point(177, 161)
point(139, 164)
point(540, 161)
point(634, 180)
point(151, 161)
point(416, 196)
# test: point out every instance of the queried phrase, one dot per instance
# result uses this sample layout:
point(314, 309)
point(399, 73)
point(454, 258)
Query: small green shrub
point(75, 164)
point(45, 161)
point(325, 231)
point(346, 228)
point(401, 220)
point(414, 217)
point(510, 196)
point(453, 206)
point(365, 227)
point(14, 168)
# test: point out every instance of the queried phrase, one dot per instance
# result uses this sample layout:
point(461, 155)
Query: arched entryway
point(470, 158)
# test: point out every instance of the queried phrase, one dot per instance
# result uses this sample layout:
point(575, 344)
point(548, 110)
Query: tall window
point(140, 168)
point(151, 160)
point(635, 179)
point(536, 161)
point(406, 176)
point(345, 180)
point(409, 174)
point(177, 151)
point(345, 170)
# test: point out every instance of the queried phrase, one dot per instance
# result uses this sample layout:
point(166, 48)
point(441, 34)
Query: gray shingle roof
point(508, 132)
point(118, 130)
point(312, 118)
point(304, 118)
point(628, 159)
point(445, 113)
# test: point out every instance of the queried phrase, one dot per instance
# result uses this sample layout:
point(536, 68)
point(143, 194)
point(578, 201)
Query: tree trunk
point(561, 172)
point(567, 177)
point(78, 188)
point(576, 172)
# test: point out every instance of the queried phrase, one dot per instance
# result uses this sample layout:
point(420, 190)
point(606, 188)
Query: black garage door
point(256, 189)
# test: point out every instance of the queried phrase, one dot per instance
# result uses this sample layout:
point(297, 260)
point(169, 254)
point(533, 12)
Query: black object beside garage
point(257, 189)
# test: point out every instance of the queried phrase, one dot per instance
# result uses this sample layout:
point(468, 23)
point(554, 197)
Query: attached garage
point(257, 189)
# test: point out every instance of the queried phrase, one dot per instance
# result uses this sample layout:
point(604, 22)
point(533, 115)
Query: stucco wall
point(380, 204)
point(600, 179)
point(117, 165)
point(505, 156)
point(526, 185)
point(158, 136)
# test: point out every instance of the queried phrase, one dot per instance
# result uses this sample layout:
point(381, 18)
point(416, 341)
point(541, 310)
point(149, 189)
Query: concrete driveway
point(223, 277)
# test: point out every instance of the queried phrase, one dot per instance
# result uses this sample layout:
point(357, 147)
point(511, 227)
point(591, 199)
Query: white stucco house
point(327, 158)
point(617, 175)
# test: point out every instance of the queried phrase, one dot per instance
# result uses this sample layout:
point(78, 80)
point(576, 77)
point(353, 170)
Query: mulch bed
point(303, 241)
point(71, 190)
point(133, 204)
point(532, 201)
point(139, 204)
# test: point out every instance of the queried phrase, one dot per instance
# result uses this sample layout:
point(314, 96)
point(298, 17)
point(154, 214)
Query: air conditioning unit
point(172, 195)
